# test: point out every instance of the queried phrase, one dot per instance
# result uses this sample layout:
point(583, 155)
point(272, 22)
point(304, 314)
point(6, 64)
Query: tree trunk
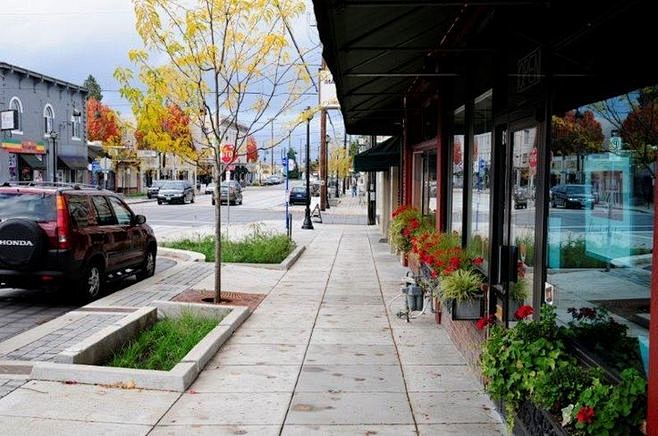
point(218, 235)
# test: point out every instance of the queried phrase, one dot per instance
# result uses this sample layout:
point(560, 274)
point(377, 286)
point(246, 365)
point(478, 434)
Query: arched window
point(48, 119)
point(15, 104)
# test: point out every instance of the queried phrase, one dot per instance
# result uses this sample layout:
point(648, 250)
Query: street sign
point(96, 166)
point(227, 153)
point(532, 159)
point(284, 161)
point(615, 144)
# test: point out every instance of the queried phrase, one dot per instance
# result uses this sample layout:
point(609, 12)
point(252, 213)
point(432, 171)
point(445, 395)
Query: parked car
point(152, 191)
point(172, 191)
point(230, 192)
point(521, 198)
point(71, 237)
point(572, 196)
point(273, 180)
point(298, 195)
point(210, 188)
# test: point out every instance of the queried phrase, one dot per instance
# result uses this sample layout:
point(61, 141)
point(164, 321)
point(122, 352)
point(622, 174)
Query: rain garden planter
point(82, 362)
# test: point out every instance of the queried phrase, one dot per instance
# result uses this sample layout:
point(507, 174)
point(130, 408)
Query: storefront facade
point(50, 134)
point(519, 135)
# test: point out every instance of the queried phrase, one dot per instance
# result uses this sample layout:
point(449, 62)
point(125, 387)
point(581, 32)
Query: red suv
point(69, 235)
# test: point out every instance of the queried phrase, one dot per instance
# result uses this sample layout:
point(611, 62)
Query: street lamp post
point(308, 224)
point(53, 136)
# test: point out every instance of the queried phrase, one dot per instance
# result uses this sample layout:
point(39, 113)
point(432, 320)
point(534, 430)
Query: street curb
point(285, 264)
point(145, 200)
point(177, 379)
point(182, 255)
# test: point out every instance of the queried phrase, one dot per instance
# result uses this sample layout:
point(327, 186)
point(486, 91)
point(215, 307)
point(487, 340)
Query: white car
point(209, 189)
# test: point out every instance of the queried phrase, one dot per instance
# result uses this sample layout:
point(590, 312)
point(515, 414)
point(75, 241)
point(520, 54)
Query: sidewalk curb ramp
point(79, 363)
point(182, 255)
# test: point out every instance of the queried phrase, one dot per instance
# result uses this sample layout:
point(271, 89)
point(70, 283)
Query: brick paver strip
point(45, 348)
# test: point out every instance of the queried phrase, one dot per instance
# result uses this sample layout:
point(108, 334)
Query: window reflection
point(480, 171)
point(457, 170)
point(601, 208)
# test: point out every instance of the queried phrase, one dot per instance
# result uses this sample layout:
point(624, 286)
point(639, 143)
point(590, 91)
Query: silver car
point(176, 191)
point(230, 192)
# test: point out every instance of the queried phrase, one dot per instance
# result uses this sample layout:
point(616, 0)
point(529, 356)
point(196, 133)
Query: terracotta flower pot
point(403, 259)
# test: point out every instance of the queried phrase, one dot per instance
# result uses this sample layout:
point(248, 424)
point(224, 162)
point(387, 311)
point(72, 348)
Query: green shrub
point(559, 388)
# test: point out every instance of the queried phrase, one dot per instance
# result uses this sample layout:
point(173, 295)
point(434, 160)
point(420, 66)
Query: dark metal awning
point(74, 162)
point(33, 162)
point(381, 157)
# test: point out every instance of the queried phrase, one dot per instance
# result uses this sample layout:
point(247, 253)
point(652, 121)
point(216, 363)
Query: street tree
point(93, 87)
point(103, 123)
point(577, 133)
point(229, 65)
point(634, 116)
point(340, 162)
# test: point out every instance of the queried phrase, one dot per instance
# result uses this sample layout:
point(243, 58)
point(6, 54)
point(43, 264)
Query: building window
point(15, 104)
point(76, 122)
point(601, 214)
point(48, 119)
point(458, 166)
point(480, 168)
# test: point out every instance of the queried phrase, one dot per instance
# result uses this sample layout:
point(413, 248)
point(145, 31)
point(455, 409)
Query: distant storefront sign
point(146, 154)
point(29, 147)
point(328, 96)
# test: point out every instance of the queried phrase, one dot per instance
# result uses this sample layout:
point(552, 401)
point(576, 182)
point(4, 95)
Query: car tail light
point(62, 224)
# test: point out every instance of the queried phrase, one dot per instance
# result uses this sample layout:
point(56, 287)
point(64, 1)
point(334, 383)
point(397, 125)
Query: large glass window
point(480, 169)
point(425, 182)
point(600, 222)
point(457, 171)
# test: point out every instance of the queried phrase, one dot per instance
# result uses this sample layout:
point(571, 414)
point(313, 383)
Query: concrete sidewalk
point(323, 354)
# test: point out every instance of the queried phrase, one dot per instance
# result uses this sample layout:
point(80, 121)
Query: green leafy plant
point(519, 291)
point(604, 409)
point(559, 388)
point(514, 359)
point(461, 285)
point(598, 332)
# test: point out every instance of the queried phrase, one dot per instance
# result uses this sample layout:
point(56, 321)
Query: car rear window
point(33, 206)
point(298, 189)
point(173, 185)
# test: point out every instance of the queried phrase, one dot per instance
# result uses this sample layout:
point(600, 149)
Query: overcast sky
point(70, 39)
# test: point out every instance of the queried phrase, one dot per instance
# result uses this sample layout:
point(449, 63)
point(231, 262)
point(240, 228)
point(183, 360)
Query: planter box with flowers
point(407, 222)
point(462, 291)
point(530, 362)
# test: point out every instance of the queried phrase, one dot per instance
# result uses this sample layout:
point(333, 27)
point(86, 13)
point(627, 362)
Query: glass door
point(516, 248)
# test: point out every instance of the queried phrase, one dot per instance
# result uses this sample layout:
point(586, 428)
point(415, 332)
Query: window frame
point(48, 120)
point(19, 109)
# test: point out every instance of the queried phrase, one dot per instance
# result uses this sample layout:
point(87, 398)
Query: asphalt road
point(23, 309)
point(258, 204)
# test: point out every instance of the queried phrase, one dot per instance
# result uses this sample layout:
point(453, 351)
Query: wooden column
point(652, 391)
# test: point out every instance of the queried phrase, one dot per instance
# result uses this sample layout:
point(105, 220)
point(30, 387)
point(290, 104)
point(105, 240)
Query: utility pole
point(323, 159)
point(345, 154)
point(272, 150)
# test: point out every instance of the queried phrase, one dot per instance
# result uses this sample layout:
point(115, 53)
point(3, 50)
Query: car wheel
point(148, 266)
point(90, 286)
point(213, 201)
point(553, 205)
point(192, 200)
point(159, 202)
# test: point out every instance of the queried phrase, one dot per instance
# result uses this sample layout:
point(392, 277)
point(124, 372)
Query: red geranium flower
point(585, 415)
point(478, 260)
point(485, 321)
point(523, 312)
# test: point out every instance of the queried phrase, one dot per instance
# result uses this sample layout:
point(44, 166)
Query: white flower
point(567, 415)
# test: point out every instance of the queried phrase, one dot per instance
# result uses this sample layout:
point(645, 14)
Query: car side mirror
point(139, 219)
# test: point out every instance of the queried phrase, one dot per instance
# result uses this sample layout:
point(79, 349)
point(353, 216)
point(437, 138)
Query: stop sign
point(532, 159)
point(227, 152)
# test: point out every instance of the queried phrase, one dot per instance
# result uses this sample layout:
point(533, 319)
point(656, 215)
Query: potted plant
point(462, 289)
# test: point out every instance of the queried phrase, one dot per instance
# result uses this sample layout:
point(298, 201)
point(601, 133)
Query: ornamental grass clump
point(461, 285)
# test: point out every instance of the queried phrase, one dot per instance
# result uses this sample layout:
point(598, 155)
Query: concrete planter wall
point(79, 363)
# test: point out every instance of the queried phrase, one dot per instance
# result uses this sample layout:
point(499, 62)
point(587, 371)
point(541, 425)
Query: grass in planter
point(164, 344)
point(257, 247)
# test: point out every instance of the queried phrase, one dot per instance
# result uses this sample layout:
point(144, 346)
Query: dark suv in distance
point(572, 196)
point(71, 237)
point(152, 191)
point(176, 191)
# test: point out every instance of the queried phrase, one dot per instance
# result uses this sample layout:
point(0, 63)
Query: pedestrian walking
point(353, 189)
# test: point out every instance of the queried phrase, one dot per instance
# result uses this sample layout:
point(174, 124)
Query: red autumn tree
point(639, 131)
point(457, 153)
point(102, 122)
point(574, 133)
point(252, 150)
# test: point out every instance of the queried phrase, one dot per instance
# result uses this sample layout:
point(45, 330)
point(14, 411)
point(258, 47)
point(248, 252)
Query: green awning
point(34, 162)
point(381, 157)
